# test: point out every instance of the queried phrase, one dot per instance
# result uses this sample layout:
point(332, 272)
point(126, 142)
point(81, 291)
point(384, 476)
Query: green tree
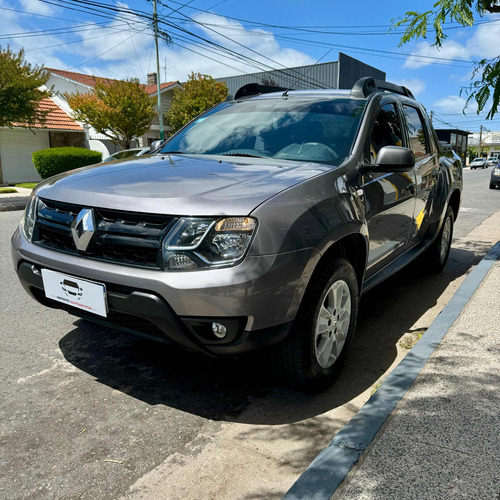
point(19, 90)
point(464, 12)
point(119, 109)
point(200, 92)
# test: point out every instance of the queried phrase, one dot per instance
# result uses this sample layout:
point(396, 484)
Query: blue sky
point(275, 33)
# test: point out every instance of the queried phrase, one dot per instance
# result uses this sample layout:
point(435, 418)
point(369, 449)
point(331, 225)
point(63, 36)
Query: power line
point(55, 31)
point(267, 66)
point(72, 41)
point(105, 52)
point(335, 27)
point(326, 44)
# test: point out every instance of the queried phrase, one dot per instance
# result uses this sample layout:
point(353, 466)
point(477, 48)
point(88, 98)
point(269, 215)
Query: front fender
point(314, 214)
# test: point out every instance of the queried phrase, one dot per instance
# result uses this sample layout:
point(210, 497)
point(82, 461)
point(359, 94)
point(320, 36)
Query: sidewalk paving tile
point(443, 439)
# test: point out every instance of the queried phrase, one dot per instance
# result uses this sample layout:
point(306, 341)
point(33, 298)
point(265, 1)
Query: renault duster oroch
point(259, 224)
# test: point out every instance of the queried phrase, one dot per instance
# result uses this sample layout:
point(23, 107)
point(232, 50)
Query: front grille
point(128, 238)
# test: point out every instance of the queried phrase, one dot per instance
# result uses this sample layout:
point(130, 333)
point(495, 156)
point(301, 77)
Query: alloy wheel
point(332, 324)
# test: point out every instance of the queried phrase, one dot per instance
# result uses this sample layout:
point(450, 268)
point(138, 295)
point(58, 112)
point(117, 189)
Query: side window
point(386, 130)
point(416, 131)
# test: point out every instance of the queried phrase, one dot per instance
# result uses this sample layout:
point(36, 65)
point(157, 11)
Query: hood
point(179, 185)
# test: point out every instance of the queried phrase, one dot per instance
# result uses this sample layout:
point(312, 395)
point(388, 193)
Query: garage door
point(16, 148)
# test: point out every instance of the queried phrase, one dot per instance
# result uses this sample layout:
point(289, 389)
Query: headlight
point(200, 243)
point(28, 220)
point(496, 171)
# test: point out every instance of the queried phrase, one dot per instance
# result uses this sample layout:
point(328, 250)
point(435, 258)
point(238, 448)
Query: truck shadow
point(245, 389)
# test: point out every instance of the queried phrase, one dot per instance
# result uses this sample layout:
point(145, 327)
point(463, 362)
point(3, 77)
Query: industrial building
point(341, 74)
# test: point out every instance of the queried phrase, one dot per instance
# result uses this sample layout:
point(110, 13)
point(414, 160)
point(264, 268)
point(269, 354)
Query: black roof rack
point(255, 89)
point(367, 85)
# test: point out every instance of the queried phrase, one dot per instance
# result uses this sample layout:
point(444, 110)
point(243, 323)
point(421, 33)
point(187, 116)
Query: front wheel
point(321, 336)
point(439, 251)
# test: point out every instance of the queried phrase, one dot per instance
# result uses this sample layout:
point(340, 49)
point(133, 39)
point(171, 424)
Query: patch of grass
point(409, 340)
point(7, 190)
point(27, 185)
point(374, 390)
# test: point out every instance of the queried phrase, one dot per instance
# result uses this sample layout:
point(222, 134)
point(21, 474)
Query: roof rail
point(367, 85)
point(255, 89)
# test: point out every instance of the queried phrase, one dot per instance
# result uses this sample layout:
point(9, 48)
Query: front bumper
point(257, 300)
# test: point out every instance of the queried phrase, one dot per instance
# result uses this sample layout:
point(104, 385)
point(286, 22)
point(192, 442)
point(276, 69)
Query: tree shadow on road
point(245, 389)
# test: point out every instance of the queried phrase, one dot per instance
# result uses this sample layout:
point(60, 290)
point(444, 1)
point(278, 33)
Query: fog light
point(219, 330)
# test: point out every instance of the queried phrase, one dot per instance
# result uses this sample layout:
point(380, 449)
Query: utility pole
point(481, 142)
point(155, 26)
point(432, 114)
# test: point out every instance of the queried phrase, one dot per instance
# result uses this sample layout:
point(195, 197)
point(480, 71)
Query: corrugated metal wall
point(323, 75)
point(299, 78)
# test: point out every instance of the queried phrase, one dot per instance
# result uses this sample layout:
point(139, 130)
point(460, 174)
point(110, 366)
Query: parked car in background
point(495, 177)
point(492, 161)
point(258, 225)
point(478, 163)
point(126, 153)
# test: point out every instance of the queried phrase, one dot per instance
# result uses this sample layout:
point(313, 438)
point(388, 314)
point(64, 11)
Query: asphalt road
point(86, 412)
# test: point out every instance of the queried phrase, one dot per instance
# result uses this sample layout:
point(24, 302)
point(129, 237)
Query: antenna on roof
point(285, 93)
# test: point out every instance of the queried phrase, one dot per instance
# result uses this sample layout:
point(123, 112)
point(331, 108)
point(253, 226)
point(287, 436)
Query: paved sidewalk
point(442, 440)
point(14, 201)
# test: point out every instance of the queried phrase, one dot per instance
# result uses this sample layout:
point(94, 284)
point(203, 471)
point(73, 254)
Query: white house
point(17, 144)
point(63, 81)
point(490, 141)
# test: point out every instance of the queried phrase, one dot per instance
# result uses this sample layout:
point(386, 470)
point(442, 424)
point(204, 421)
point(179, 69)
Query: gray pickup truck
point(259, 224)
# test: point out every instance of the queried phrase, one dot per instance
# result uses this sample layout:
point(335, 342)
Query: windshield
point(288, 129)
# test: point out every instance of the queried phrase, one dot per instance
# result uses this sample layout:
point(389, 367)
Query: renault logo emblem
point(83, 228)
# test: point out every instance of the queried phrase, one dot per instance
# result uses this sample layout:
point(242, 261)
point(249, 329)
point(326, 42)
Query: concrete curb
point(13, 203)
point(327, 471)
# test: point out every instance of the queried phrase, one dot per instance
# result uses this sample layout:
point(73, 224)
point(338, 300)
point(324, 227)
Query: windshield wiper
point(172, 152)
point(247, 155)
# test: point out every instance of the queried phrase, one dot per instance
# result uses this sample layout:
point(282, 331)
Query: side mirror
point(395, 159)
point(155, 145)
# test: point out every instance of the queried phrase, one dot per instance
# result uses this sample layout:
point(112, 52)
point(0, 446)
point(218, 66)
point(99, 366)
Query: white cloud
point(118, 41)
point(482, 44)
point(449, 50)
point(454, 104)
point(257, 44)
point(117, 50)
point(121, 62)
point(36, 6)
point(11, 23)
point(416, 85)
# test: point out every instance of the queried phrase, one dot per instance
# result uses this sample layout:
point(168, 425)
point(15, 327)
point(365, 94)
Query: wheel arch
point(353, 248)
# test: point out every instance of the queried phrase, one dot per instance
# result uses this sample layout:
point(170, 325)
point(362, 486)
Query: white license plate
point(77, 292)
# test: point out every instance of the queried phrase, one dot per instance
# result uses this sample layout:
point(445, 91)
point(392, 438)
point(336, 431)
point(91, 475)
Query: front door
point(389, 197)
point(426, 170)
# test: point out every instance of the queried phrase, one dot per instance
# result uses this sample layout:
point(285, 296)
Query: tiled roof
point(91, 80)
point(57, 119)
point(151, 89)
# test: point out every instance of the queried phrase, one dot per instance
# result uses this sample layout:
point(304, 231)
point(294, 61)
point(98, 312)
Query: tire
point(492, 186)
point(438, 252)
point(316, 348)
